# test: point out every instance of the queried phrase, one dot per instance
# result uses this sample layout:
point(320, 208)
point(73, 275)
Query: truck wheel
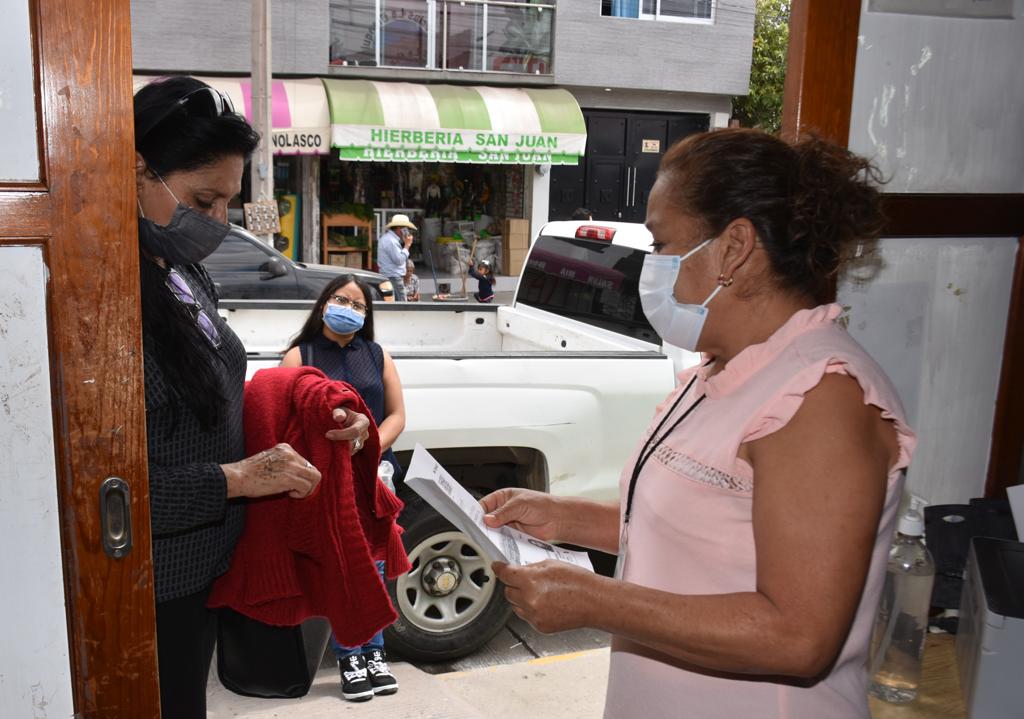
point(450, 603)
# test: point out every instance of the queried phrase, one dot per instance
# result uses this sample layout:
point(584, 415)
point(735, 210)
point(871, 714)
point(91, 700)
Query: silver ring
point(308, 465)
point(357, 443)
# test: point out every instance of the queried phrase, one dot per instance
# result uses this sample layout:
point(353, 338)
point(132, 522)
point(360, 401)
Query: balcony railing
point(473, 35)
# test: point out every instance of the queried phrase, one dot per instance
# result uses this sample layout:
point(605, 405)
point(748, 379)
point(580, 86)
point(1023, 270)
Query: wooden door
point(77, 213)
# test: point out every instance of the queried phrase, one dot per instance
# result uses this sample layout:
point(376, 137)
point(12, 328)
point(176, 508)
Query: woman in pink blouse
point(756, 512)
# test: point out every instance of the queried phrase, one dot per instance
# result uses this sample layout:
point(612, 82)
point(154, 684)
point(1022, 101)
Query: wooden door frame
point(818, 98)
point(82, 214)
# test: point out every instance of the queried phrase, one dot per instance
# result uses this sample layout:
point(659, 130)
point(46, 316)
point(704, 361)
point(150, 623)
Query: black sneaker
point(381, 678)
point(355, 684)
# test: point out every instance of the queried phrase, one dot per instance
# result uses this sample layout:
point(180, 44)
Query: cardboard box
point(517, 233)
point(513, 261)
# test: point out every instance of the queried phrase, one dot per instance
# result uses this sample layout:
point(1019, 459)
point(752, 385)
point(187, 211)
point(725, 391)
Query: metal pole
point(262, 160)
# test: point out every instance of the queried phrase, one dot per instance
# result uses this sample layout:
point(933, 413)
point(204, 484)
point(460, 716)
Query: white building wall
point(35, 671)
point(934, 316)
point(938, 101)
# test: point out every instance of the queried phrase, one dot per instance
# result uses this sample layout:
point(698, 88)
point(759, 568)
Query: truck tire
point(450, 603)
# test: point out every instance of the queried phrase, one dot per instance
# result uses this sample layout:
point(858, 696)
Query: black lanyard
point(650, 446)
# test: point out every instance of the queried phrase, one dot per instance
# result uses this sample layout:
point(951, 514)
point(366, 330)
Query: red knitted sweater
point(299, 558)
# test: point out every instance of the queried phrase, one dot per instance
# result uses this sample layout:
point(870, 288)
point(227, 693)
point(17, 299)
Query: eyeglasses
point(346, 302)
point(177, 285)
point(201, 102)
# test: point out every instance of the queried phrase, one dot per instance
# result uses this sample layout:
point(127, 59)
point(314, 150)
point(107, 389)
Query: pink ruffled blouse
point(691, 526)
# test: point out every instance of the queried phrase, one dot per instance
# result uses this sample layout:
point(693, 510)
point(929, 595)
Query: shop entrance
point(456, 207)
point(615, 176)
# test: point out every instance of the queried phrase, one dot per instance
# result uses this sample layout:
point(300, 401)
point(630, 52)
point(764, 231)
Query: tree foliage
point(762, 107)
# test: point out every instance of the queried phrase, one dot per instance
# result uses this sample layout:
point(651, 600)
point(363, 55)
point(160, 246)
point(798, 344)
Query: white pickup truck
point(549, 393)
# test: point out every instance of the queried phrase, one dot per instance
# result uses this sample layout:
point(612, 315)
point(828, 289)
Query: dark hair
point(314, 326)
point(185, 140)
point(810, 202)
point(182, 141)
point(582, 213)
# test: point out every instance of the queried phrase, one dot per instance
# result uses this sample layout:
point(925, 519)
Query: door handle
point(116, 517)
point(628, 171)
point(634, 187)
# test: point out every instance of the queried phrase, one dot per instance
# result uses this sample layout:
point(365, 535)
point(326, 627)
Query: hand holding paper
point(503, 544)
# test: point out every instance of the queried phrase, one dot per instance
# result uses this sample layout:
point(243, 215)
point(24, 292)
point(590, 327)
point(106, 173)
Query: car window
point(236, 254)
point(587, 280)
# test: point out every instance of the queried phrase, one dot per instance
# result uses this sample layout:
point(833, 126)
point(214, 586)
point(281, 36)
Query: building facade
point(639, 74)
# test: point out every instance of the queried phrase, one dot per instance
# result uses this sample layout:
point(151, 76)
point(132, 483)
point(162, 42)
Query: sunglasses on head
point(201, 102)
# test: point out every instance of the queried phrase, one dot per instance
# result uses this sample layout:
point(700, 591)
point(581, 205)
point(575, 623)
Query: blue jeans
point(376, 641)
point(398, 287)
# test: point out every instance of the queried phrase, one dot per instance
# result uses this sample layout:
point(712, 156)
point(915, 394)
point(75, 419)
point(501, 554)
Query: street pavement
point(563, 686)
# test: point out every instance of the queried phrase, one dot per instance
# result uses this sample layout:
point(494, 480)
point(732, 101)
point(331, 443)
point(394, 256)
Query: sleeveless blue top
point(361, 364)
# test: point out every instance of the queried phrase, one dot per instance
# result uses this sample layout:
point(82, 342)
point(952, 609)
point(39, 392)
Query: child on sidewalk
point(485, 279)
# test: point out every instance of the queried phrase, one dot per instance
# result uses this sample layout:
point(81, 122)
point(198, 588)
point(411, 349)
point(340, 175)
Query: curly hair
point(810, 202)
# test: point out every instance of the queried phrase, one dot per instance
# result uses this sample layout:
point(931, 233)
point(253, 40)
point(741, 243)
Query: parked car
point(246, 268)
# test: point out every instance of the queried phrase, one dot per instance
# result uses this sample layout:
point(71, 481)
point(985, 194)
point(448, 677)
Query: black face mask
point(189, 237)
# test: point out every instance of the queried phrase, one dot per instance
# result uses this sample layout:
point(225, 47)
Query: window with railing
point(672, 10)
point(479, 35)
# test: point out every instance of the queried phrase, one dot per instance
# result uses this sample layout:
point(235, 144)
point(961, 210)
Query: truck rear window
point(590, 281)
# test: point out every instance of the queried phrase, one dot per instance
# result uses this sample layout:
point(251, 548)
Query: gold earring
point(725, 282)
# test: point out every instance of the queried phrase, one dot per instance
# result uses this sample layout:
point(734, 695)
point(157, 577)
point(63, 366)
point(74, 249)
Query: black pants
point(185, 634)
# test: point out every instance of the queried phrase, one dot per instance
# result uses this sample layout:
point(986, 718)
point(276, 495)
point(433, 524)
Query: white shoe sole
point(384, 691)
point(359, 697)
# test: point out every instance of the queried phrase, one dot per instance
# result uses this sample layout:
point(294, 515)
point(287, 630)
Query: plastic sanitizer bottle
point(897, 642)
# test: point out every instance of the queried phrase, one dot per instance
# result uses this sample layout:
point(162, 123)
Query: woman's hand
point(552, 596)
point(272, 471)
point(355, 427)
point(534, 513)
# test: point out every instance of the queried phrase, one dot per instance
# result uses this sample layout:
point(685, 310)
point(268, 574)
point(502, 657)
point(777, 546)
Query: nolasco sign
point(405, 122)
point(300, 142)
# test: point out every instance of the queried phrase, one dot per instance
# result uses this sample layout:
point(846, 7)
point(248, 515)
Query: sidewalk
point(565, 686)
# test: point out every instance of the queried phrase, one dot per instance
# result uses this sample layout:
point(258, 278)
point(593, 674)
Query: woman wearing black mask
point(191, 148)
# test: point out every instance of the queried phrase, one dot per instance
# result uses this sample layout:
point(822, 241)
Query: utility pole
point(262, 160)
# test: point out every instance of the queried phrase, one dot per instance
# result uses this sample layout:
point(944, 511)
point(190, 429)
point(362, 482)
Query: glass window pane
point(19, 146)
point(404, 33)
point(686, 8)
point(519, 39)
point(589, 281)
point(465, 36)
point(353, 32)
point(236, 254)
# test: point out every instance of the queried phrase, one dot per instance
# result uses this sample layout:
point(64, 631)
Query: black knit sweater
point(195, 526)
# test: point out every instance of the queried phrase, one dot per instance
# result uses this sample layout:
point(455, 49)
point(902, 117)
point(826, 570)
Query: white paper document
point(429, 479)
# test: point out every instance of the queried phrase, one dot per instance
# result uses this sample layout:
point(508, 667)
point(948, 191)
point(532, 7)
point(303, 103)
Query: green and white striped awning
point(408, 122)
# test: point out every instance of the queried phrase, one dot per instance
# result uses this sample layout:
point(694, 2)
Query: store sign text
point(404, 138)
point(512, 157)
point(299, 142)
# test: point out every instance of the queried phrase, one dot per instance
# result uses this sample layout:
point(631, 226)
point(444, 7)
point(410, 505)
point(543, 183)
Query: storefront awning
point(299, 116)
point(407, 122)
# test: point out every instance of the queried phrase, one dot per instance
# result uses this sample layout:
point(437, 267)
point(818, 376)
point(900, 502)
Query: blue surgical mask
point(678, 324)
point(343, 320)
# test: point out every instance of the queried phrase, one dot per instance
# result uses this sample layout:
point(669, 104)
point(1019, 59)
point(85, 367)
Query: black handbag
point(260, 660)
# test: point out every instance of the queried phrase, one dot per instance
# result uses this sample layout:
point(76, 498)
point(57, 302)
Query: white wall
point(934, 317)
point(939, 101)
point(35, 675)
point(19, 151)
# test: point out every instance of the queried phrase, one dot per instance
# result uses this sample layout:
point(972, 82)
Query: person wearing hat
point(393, 252)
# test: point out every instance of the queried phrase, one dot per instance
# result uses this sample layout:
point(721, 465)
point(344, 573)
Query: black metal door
point(624, 151)
point(648, 140)
point(606, 154)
